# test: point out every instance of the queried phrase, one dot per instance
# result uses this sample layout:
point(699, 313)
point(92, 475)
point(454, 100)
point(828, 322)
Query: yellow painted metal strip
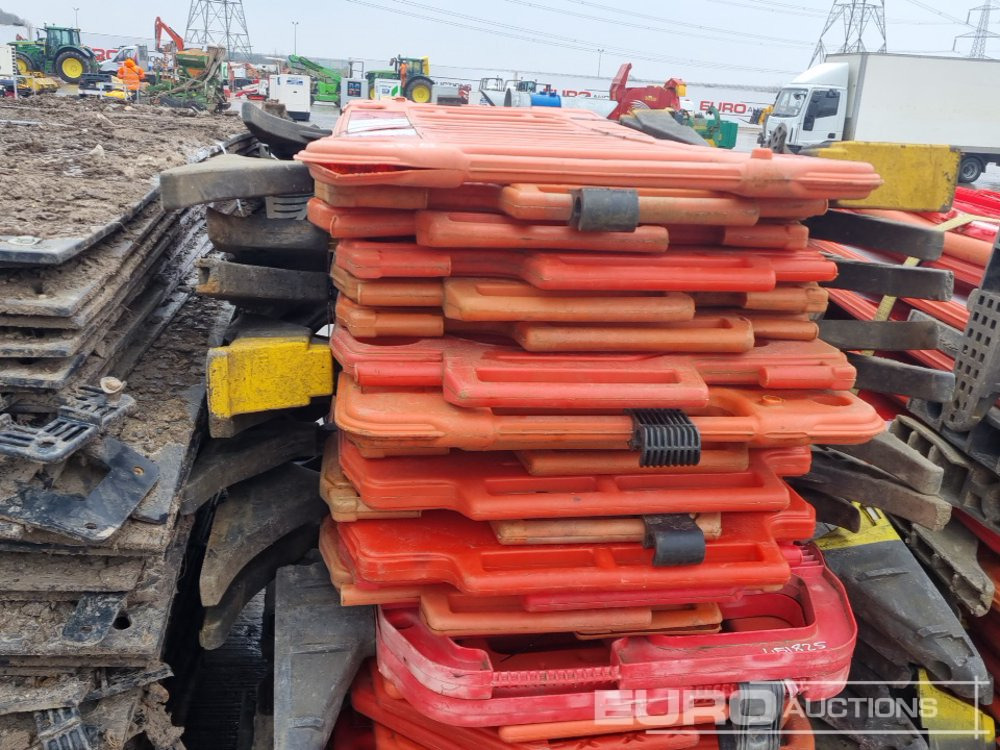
point(952, 718)
point(875, 527)
point(264, 373)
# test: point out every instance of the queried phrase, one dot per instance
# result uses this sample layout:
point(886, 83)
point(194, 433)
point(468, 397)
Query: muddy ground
point(70, 165)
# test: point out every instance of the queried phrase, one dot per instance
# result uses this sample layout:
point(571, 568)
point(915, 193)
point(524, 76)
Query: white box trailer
point(891, 98)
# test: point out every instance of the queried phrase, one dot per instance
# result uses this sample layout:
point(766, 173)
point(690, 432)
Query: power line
point(661, 19)
point(935, 11)
point(553, 40)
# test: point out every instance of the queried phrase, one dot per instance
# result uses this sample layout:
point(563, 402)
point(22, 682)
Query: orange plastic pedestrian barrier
point(804, 635)
point(703, 333)
point(475, 230)
point(383, 421)
point(445, 547)
point(472, 373)
point(443, 147)
point(448, 611)
point(556, 203)
point(505, 300)
point(360, 222)
point(460, 229)
point(691, 270)
point(615, 602)
point(496, 486)
point(370, 695)
point(497, 299)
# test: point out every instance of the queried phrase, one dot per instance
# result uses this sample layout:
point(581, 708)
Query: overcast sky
point(725, 41)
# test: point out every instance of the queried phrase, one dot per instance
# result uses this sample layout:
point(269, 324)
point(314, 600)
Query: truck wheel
point(971, 169)
point(70, 66)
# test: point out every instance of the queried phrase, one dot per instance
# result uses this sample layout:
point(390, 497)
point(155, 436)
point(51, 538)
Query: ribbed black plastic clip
point(676, 539)
point(664, 437)
point(605, 210)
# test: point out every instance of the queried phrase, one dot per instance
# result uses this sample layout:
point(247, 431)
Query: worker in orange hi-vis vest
point(403, 70)
point(131, 74)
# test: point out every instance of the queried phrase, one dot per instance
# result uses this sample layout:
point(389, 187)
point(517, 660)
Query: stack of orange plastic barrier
point(576, 366)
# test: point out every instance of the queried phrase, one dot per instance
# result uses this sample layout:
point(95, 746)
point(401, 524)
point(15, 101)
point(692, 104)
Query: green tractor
point(418, 86)
point(58, 52)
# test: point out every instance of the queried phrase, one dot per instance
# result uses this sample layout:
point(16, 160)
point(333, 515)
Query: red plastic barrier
point(693, 269)
point(506, 300)
point(493, 486)
point(478, 230)
point(804, 633)
point(445, 547)
point(444, 147)
point(731, 331)
point(370, 696)
point(449, 611)
point(360, 222)
point(381, 421)
point(471, 373)
point(474, 230)
point(555, 203)
point(615, 602)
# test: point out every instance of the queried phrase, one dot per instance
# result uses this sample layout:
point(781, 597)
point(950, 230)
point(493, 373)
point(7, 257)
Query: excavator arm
point(159, 28)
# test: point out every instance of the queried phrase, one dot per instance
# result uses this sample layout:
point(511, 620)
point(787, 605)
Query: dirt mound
point(76, 164)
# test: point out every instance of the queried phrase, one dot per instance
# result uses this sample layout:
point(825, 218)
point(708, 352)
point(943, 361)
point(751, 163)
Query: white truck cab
point(812, 108)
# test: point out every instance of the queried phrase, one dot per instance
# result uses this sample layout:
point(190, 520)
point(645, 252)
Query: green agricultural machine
point(56, 51)
point(418, 87)
point(325, 81)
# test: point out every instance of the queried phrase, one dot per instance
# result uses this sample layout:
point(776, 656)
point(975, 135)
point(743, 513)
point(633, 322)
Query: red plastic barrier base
point(495, 486)
point(472, 373)
point(445, 547)
point(805, 633)
point(694, 269)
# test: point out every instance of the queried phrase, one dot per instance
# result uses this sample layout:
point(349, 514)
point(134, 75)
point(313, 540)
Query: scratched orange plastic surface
point(495, 486)
point(383, 420)
point(402, 143)
point(694, 269)
point(555, 203)
point(476, 197)
point(510, 300)
point(444, 547)
point(474, 373)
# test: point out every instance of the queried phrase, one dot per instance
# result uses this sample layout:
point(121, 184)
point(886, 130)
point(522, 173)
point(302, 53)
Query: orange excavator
point(175, 39)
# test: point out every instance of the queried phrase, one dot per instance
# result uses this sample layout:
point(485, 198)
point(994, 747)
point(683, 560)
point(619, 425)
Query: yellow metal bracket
point(264, 373)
